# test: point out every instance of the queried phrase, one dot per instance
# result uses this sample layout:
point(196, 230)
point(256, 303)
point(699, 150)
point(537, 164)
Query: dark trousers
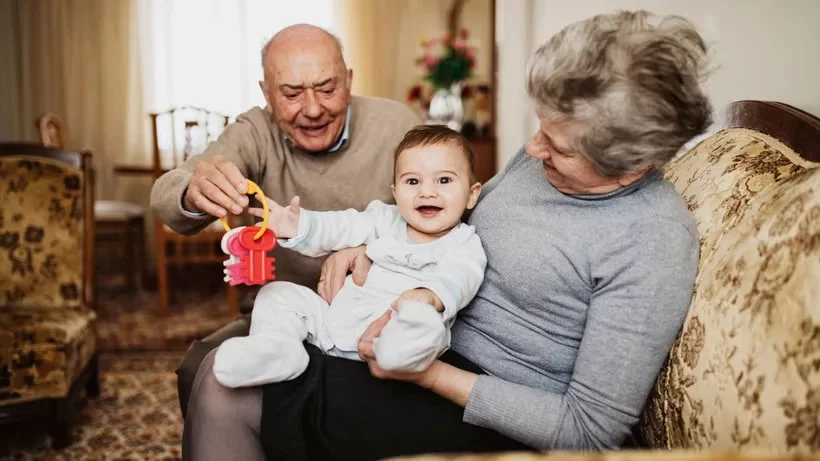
point(337, 411)
point(186, 372)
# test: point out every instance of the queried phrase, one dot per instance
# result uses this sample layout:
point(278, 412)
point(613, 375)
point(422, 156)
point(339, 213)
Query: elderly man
point(313, 139)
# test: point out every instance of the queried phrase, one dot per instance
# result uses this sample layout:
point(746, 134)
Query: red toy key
point(257, 264)
point(247, 247)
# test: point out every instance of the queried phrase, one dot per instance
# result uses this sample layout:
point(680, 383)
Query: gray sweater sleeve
point(642, 292)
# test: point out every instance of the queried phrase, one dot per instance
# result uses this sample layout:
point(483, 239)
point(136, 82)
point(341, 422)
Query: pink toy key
point(234, 250)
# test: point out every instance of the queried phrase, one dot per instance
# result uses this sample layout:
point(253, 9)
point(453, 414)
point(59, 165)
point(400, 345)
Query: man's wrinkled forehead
point(305, 69)
point(306, 63)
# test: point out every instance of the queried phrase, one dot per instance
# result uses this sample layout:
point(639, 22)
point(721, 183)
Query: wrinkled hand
point(336, 267)
point(216, 187)
point(283, 220)
point(424, 378)
point(422, 295)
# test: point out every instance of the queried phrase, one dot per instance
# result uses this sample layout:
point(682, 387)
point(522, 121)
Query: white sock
point(412, 339)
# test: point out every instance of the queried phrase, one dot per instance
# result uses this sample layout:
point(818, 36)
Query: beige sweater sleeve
point(242, 143)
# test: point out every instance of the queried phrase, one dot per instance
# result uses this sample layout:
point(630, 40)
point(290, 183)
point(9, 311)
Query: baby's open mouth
point(428, 210)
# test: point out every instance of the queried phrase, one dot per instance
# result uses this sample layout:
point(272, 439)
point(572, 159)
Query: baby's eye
point(445, 180)
point(413, 181)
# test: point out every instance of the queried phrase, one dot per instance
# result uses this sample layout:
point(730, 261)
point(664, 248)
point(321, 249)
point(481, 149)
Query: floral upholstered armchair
point(47, 325)
point(742, 381)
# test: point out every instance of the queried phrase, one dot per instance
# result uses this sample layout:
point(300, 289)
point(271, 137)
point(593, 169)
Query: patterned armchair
point(742, 381)
point(47, 325)
point(745, 371)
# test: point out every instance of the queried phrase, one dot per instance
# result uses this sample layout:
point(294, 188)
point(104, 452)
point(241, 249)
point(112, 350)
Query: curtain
point(207, 52)
point(72, 58)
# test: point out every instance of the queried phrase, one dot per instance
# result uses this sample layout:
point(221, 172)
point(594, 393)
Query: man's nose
point(312, 108)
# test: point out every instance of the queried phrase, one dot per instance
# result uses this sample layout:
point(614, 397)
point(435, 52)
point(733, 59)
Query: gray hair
point(634, 85)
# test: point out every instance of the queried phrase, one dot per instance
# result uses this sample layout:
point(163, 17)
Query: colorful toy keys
point(247, 248)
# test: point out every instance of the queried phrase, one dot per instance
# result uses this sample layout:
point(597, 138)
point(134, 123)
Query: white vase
point(446, 107)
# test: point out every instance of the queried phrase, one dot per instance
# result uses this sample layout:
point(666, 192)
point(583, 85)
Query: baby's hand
point(422, 295)
point(284, 221)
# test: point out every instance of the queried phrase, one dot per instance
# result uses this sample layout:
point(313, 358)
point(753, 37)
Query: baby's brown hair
point(428, 135)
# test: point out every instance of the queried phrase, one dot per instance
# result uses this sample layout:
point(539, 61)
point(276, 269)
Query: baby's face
point(432, 189)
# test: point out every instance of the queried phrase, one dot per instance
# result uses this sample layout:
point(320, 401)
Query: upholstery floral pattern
point(41, 233)
point(745, 371)
point(615, 455)
point(47, 334)
point(42, 351)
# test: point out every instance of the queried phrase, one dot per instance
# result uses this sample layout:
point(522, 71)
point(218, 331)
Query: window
point(206, 53)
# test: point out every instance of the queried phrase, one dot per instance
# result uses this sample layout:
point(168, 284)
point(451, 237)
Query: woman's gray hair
point(632, 80)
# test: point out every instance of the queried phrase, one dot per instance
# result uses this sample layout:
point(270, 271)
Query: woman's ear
point(475, 191)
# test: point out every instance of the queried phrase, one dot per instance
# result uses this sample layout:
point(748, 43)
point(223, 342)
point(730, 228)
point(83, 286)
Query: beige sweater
point(351, 177)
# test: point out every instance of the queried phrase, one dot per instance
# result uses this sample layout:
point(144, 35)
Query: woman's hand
point(216, 187)
point(336, 267)
point(422, 295)
point(284, 221)
point(426, 378)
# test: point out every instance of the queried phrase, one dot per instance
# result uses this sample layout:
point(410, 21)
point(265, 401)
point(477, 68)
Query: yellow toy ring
point(255, 190)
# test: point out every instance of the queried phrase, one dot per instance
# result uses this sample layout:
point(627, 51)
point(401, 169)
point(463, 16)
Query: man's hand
point(425, 379)
point(336, 267)
point(422, 295)
point(216, 187)
point(283, 220)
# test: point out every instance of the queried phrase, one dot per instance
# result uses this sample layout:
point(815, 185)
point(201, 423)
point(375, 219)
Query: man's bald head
point(292, 37)
point(307, 85)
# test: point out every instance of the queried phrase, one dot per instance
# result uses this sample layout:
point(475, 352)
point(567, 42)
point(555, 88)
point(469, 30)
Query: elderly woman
point(592, 257)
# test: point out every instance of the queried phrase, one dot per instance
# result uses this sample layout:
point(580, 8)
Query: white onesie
point(285, 314)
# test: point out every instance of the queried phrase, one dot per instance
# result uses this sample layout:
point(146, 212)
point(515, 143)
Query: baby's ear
point(475, 191)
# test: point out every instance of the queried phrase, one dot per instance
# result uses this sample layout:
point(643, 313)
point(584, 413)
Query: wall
point(761, 49)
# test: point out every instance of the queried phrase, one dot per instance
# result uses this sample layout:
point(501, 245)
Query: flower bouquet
point(447, 62)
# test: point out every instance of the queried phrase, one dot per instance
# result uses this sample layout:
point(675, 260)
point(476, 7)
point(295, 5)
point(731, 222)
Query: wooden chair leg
point(128, 250)
point(233, 300)
point(92, 386)
point(60, 425)
point(162, 270)
point(139, 259)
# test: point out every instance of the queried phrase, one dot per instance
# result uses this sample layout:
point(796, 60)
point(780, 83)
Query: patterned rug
point(136, 417)
point(131, 321)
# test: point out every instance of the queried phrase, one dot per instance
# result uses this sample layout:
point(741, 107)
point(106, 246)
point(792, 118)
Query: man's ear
point(475, 191)
point(263, 86)
point(349, 79)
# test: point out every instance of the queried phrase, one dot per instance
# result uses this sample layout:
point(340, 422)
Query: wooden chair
point(118, 224)
point(180, 133)
point(48, 356)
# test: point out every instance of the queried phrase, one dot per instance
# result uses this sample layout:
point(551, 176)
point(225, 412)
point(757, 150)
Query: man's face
point(308, 91)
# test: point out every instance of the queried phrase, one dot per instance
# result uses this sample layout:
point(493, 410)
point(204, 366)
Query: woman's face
point(567, 170)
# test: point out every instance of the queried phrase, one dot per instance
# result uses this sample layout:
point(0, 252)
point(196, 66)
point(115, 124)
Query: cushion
point(614, 455)
point(745, 370)
point(41, 233)
point(42, 351)
point(606, 456)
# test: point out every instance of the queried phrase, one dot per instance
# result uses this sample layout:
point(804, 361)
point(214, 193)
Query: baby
point(427, 265)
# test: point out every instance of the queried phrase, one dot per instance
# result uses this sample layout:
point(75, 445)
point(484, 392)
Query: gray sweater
point(582, 298)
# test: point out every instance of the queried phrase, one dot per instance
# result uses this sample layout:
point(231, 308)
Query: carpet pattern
point(135, 418)
point(132, 322)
